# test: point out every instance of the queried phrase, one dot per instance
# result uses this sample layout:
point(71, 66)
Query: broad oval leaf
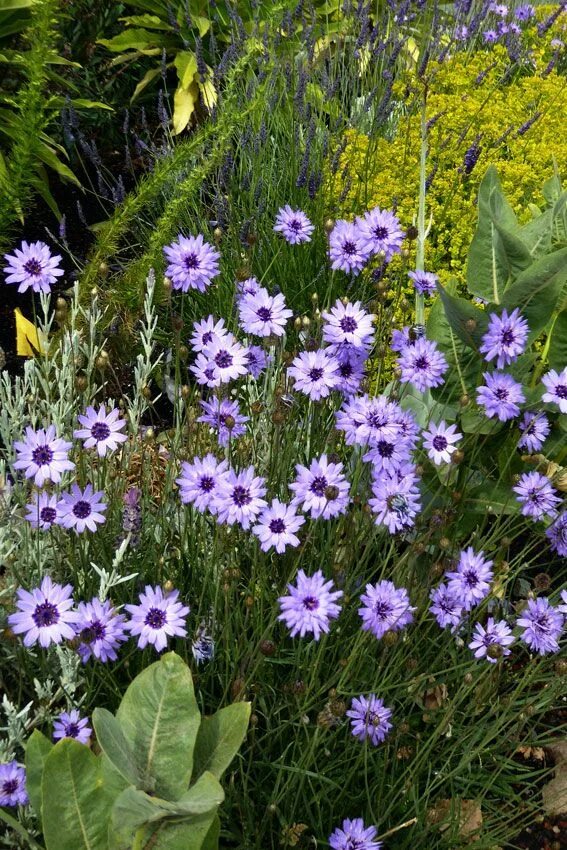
point(160, 719)
point(38, 748)
point(76, 801)
point(537, 290)
point(113, 743)
point(220, 737)
point(184, 101)
point(557, 354)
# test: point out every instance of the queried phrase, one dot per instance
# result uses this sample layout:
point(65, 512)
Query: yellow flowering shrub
point(466, 101)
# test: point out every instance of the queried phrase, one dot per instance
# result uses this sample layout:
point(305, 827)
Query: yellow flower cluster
point(467, 101)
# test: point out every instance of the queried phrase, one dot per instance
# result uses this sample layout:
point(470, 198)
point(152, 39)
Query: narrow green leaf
point(160, 719)
point(38, 748)
point(220, 737)
point(113, 743)
point(17, 827)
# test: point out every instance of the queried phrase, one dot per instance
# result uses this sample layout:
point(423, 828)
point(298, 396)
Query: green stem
point(421, 232)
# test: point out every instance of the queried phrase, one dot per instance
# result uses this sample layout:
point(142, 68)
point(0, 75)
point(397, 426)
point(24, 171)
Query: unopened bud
point(471, 325)
point(457, 457)
point(217, 234)
point(61, 304)
point(167, 284)
point(230, 422)
point(329, 224)
point(494, 650)
point(267, 648)
point(331, 492)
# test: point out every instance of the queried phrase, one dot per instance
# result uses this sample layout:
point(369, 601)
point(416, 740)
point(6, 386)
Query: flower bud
point(297, 323)
point(185, 391)
point(471, 325)
point(230, 422)
point(81, 383)
point(167, 284)
point(267, 648)
point(61, 304)
point(331, 492)
point(329, 224)
point(217, 234)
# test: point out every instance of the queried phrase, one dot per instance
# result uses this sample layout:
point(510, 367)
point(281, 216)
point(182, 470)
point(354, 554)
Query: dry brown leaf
point(468, 812)
point(537, 753)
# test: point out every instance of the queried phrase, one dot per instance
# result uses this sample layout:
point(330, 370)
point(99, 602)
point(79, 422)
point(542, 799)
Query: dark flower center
point(277, 526)
point(95, 631)
point(264, 313)
point(42, 455)
point(354, 843)
point(71, 730)
point(376, 420)
point(47, 514)
point(223, 359)
point(440, 443)
point(311, 603)
point(210, 373)
point(190, 261)
point(82, 509)
point(348, 324)
point(382, 609)
point(380, 232)
point(501, 393)
point(385, 449)
point(422, 363)
point(241, 496)
point(100, 431)
point(316, 374)
point(294, 224)
point(508, 337)
point(207, 483)
point(45, 615)
point(346, 370)
point(470, 578)
point(561, 391)
point(207, 337)
point(319, 485)
point(10, 786)
point(349, 248)
point(33, 267)
point(155, 618)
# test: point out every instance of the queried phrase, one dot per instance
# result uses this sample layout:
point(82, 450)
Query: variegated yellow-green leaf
point(184, 101)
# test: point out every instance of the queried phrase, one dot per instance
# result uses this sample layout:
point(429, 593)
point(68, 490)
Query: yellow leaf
point(186, 65)
point(208, 94)
point(184, 101)
point(29, 339)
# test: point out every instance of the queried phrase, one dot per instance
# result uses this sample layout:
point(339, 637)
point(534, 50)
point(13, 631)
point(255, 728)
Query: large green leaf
point(537, 290)
point(160, 719)
point(113, 743)
point(38, 748)
point(467, 321)
point(189, 835)
point(489, 267)
point(136, 39)
point(76, 801)
point(220, 737)
point(557, 354)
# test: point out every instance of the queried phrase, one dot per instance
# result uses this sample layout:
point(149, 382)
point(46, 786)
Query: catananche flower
point(193, 263)
point(81, 509)
point(310, 605)
point(32, 265)
point(72, 725)
point(557, 534)
point(158, 616)
point(525, 12)
point(45, 614)
point(396, 500)
point(352, 362)
point(542, 625)
point(401, 339)
point(446, 607)
point(100, 630)
point(422, 365)
point(293, 225)
point(500, 396)
point(353, 835)
point(439, 441)
point(536, 495)
point(556, 384)
point(224, 417)
point(43, 455)
point(365, 420)
point(381, 233)
point(42, 511)
point(13, 785)
point(347, 247)
point(499, 9)
point(315, 373)
point(277, 525)
point(205, 331)
point(263, 314)
point(370, 718)
point(221, 361)
point(470, 581)
point(250, 286)
point(505, 338)
point(348, 324)
point(321, 488)
point(101, 429)
point(491, 641)
point(424, 282)
point(199, 481)
point(257, 360)
point(388, 454)
point(490, 36)
point(240, 497)
point(385, 608)
point(535, 428)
